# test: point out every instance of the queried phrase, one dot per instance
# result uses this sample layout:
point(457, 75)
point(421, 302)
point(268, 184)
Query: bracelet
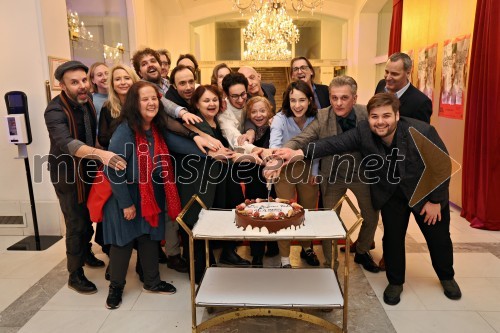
point(92, 152)
point(193, 134)
point(182, 115)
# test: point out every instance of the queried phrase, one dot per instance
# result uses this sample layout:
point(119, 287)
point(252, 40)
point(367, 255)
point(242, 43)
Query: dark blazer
point(323, 95)
point(269, 92)
point(410, 169)
point(414, 103)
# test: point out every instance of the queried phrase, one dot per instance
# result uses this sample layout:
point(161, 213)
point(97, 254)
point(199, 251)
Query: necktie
point(89, 139)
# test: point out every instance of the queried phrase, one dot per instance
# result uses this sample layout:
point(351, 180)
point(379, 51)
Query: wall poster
point(454, 77)
point(426, 74)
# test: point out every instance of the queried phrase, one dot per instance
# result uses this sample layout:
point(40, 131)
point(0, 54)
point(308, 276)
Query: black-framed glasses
point(302, 68)
point(235, 97)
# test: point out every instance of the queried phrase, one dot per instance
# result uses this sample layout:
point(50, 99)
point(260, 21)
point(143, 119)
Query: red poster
point(454, 77)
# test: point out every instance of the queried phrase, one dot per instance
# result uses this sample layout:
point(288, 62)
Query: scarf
point(149, 207)
point(73, 131)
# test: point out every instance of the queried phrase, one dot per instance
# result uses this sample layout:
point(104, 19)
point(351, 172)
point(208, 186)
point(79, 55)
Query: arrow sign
point(439, 166)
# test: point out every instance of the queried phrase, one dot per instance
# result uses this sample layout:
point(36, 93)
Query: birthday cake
point(274, 215)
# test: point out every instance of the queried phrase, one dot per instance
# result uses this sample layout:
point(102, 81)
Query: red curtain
point(481, 165)
point(396, 24)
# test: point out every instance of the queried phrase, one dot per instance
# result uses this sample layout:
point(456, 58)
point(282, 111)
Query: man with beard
point(258, 88)
point(414, 103)
point(71, 123)
point(396, 168)
point(147, 66)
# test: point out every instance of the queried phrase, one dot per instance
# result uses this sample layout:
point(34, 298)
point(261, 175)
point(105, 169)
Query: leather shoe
point(451, 289)
point(367, 262)
point(310, 257)
point(92, 261)
point(257, 261)
point(161, 288)
point(352, 248)
point(232, 258)
point(392, 294)
point(381, 264)
point(79, 283)
point(114, 299)
point(178, 263)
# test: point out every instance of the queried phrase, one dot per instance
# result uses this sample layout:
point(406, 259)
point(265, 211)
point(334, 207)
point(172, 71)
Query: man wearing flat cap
point(71, 123)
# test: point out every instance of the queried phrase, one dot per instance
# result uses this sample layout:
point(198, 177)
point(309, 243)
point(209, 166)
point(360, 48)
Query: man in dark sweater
point(394, 168)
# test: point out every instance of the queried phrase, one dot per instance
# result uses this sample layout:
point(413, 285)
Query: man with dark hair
point(258, 88)
point(339, 175)
point(71, 123)
point(302, 69)
point(386, 140)
point(414, 103)
point(190, 61)
point(147, 66)
point(182, 88)
point(165, 61)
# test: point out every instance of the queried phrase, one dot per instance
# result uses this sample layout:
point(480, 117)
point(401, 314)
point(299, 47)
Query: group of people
point(162, 137)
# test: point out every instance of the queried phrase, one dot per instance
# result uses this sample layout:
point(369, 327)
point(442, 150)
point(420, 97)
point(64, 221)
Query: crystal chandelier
point(297, 5)
point(269, 32)
point(76, 28)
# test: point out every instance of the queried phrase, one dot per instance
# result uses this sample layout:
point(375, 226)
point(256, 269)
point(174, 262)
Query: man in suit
point(302, 69)
point(385, 140)
point(414, 103)
point(258, 88)
point(336, 176)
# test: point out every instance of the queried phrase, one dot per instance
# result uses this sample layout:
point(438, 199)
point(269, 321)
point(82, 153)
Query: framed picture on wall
point(53, 64)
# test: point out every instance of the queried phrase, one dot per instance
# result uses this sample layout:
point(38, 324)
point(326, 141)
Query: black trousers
point(79, 229)
point(395, 217)
point(147, 251)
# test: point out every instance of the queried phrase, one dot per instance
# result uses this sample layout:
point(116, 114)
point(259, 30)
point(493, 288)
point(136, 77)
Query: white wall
point(31, 31)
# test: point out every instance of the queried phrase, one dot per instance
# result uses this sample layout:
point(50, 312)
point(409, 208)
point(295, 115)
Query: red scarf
point(149, 207)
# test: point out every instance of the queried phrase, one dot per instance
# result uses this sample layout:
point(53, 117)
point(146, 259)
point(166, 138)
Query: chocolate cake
point(274, 215)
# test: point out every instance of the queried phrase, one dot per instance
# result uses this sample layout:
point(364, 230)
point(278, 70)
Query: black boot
point(114, 299)
point(79, 283)
point(91, 260)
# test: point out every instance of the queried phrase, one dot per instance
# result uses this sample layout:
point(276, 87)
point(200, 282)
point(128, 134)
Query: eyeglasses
point(236, 97)
point(302, 68)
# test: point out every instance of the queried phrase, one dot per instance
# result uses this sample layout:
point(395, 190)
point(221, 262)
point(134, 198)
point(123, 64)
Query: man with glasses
point(165, 66)
point(258, 88)
point(302, 69)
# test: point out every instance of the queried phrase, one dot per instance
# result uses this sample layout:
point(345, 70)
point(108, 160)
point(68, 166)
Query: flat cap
point(68, 66)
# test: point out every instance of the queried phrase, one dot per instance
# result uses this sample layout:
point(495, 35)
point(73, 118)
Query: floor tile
point(493, 318)
point(478, 294)
point(79, 321)
point(439, 322)
point(11, 289)
point(147, 321)
point(476, 265)
point(409, 299)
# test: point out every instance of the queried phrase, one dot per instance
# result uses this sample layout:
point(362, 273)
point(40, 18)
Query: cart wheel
point(210, 310)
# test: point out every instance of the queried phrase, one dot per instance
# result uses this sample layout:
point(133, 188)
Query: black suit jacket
point(414, 103)
point(269, 92)
point(410, 169)
point(323, 95)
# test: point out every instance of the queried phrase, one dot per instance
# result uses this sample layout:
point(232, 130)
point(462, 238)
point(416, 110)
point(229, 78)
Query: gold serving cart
point(264, 292)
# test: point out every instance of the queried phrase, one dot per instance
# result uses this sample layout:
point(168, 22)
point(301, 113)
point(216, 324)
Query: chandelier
point(269, 32)
point(297, 5)
point(76, 28)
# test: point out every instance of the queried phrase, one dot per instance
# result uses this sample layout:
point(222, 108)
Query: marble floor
point(34, 296)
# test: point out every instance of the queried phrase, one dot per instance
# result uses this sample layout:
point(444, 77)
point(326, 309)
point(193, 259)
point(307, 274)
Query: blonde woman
point(121, 79)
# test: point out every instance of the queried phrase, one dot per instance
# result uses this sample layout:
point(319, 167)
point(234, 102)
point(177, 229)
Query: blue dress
point(125, 185)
